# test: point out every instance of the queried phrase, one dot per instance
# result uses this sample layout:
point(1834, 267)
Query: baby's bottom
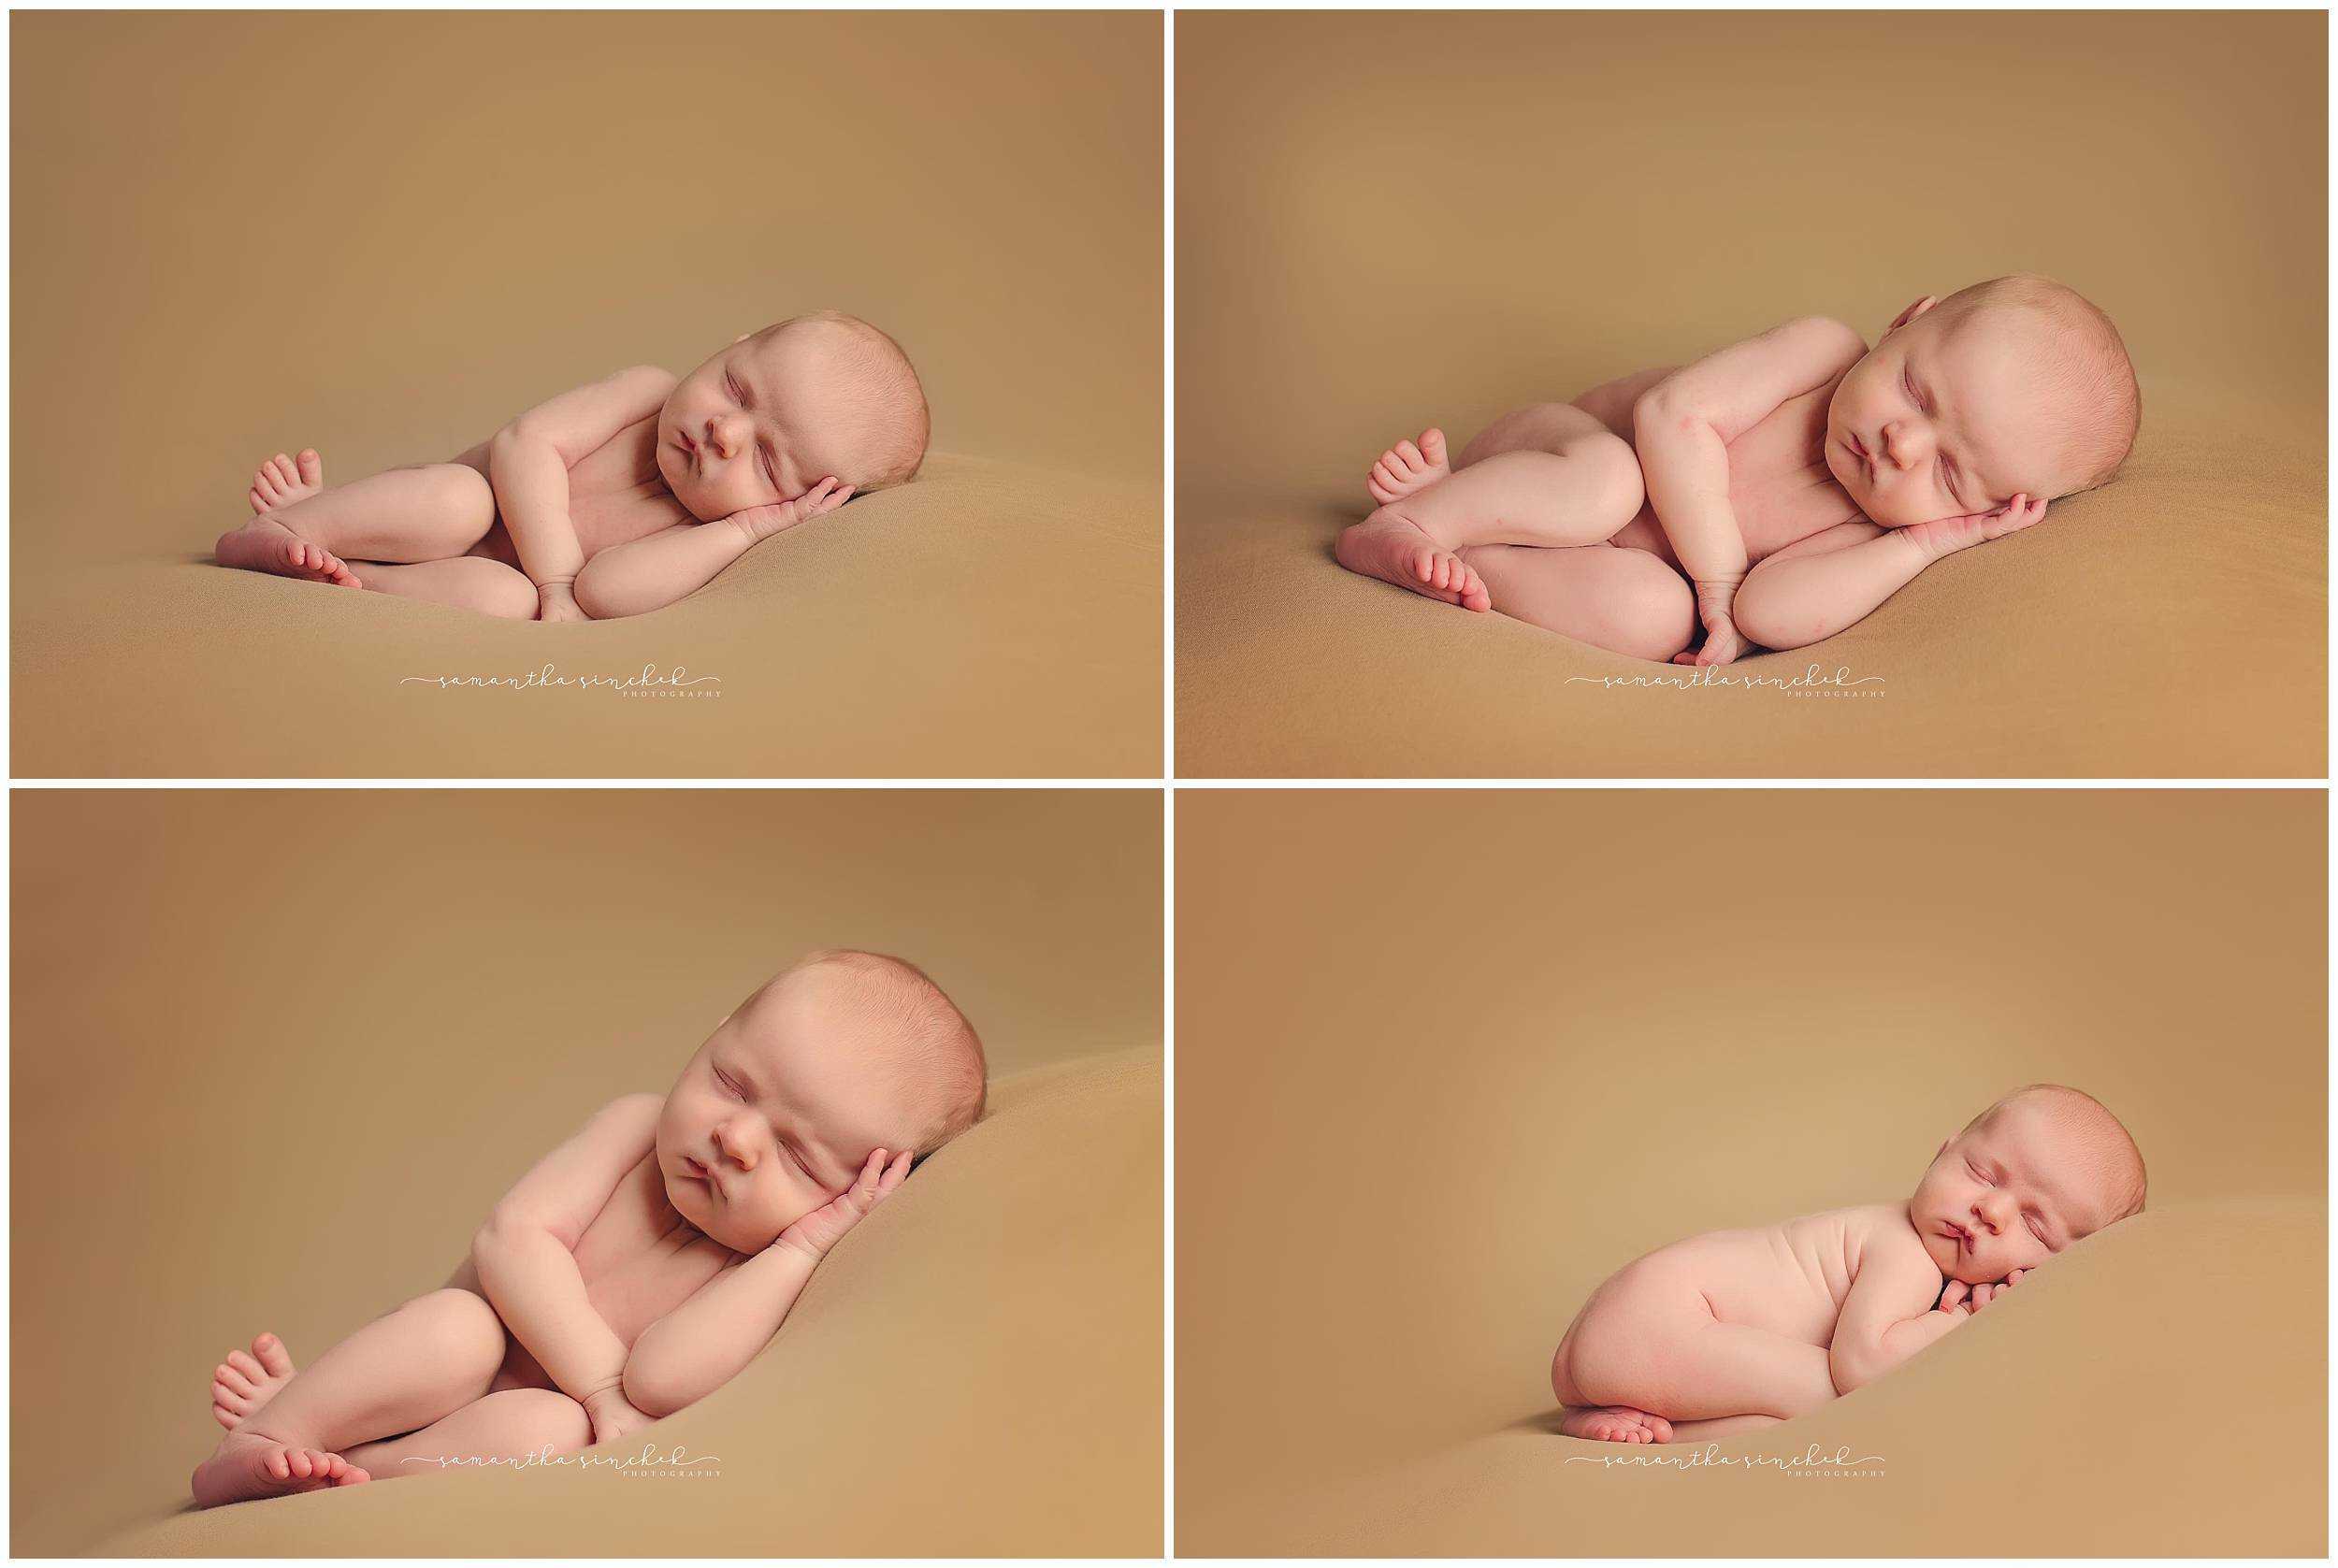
point(422, 532)
point(1649, 1354)
point(431, 1380)
point(1543, 510)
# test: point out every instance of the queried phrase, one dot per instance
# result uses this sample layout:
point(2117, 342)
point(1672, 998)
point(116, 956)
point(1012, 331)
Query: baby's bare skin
point(1626, 516)
point(611, 500)
point(630, 1273)
point(1739, 1329)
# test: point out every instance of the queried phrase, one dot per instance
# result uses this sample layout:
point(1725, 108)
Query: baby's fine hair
point(941, 1052)
point(2085, 365)
point(2121, 1166)
point(889, 400)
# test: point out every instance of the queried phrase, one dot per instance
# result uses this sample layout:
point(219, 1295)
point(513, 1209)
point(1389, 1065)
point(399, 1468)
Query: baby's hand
point(613, 1415)
point(1721, 642)
point(557, 601)
point(1957, 1295)
point(1945, 535)
point(760, 522)
point(825, 1225)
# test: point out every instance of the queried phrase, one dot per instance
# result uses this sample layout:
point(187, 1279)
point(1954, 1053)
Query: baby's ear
point(1918, 309)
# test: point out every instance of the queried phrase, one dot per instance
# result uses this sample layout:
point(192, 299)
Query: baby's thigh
point(1632, 1331)
point(505, 1425)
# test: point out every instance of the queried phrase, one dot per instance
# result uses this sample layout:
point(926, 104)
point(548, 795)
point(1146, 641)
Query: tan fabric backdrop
point(275, 1052)
point(384, 234)
point(1388, 221)
point(1445, 1061)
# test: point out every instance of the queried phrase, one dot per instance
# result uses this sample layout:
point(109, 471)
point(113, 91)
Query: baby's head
point(846, 1052)
point(779, 410)
point(2041, 1169)
point(2018, 385)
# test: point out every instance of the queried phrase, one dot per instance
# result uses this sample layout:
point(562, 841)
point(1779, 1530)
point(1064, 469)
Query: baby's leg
point(467, 582)
point(1650, 1354)
point(509, 1425)
point(401, 1371)
point(1552, 476)
point(431, 511)
point(1611, 596)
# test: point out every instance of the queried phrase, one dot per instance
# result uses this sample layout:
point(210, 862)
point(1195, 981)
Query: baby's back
point(1789, 1279)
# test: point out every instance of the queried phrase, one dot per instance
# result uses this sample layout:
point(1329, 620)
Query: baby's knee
point(1653, 614)
point(527, 1419)
point(505, 593)
point(460, 1329)
point(463, 492)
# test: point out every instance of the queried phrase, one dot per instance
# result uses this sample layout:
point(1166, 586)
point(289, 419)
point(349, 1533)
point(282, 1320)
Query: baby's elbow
point(595, 593)
point(1763, 618)
point(654, 1387)
point(1848, 1367)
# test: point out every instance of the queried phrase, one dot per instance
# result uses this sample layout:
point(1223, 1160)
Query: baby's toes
point(1659, 1428)
point(1409, 457)
point(225, 1418)
point(351, 1475)
point(274, 1358)
point(1433, 446)
point(243, 1362)
point(310, 467)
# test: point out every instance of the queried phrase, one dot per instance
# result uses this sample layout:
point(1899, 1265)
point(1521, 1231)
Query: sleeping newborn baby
point(638, 1266)
point(1776, 491)
point(1739, 1329)
point(616, 497)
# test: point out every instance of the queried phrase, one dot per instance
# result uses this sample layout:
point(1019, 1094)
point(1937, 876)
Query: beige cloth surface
point(989, 619)
point(1448, 1060)
point(975, 1370)
point(1388, 221)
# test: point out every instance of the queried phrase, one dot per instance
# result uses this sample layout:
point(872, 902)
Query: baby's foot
point(267, 545)
point(1392, 550)
point(280, 481)
point(1615, 1423)
point(1405, 467)
point(247, 1380)
point(247, 1465)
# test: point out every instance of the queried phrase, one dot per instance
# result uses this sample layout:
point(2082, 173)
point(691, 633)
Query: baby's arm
point(651, 572)
point(526, 1253)
point(1817, 587)
point(703, 1344)
point(1682, 430)
point(1888, 1315)
point(528, 463)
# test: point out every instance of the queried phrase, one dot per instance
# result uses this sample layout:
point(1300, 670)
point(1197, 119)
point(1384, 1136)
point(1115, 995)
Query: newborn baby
point(639, 1265)
point(614, 499)
point(1739, 1329)
point(1835, 473)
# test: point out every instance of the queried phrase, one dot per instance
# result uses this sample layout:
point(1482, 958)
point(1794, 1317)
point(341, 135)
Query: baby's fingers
point(895, 1174)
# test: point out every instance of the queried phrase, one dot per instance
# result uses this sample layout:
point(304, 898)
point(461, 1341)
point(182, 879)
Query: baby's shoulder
point(1870, 1227)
